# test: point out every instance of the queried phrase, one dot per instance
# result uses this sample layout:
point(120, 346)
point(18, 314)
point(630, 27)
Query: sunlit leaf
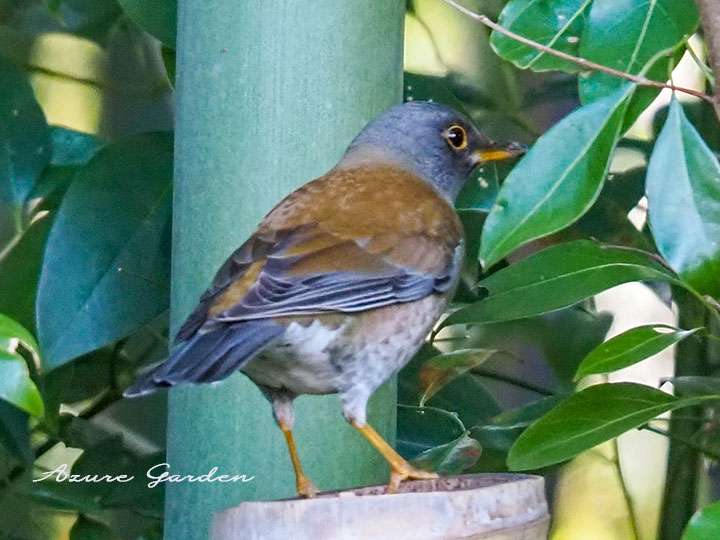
point(590, 417)
point(440, 370)
point(557, 181)
point(630, 347)
point(12, 330)
point(554, 24)
point(630, 35)
point(683, 190)
point(106, 268)
point(24, 136)
point(558, 277)
point(16, 386)
point(451, 458)
point(705, 524)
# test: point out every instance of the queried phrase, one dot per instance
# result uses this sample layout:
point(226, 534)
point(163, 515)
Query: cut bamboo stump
point(471, 507)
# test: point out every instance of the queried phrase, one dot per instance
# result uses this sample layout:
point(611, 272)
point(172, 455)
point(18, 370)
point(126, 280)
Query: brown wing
point(349, 241)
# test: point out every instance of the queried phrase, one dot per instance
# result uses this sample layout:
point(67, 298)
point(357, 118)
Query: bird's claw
point(306, 488)
point(407, 472)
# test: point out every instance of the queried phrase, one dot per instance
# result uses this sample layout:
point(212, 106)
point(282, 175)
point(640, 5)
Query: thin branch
point(625, 491)
point(501, 377)
point(682, 440)
point(640, 80)
point(710, 16)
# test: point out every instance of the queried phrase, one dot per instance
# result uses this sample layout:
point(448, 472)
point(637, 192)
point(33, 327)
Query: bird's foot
point(406, 471)
point(306, 488)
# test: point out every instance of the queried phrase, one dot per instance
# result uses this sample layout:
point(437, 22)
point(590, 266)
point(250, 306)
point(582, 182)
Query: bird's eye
point(456, 137)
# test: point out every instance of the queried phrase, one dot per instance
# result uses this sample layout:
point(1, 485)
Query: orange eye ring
point(456, 137)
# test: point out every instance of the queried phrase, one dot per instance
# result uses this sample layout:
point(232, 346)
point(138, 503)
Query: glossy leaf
point(683, 190)
point(16, 386)
point(631, 35)
point(629, 348)
point(590, 417)
point(554, 24)
point(557, 181)
point(440, 370)
point(157, 17)
point(423, 428)
point(105, 271)
point(558, 277)
point(451, 458)
point(24, 136)
point(705, 524)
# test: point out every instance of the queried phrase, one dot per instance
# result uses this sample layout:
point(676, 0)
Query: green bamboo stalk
point(269, 93)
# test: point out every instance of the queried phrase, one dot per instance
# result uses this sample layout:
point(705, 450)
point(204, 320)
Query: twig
point(695, 446)
point(625, 491)
point(710, 16)
point(501, 377)
point(587, 64)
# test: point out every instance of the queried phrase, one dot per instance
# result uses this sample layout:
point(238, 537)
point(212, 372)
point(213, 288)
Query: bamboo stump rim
point(488, 506)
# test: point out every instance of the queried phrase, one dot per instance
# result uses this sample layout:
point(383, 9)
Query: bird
point(343, 279)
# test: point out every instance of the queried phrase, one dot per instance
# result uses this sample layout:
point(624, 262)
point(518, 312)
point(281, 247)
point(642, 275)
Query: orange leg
point(305, 487)
point(399, 468)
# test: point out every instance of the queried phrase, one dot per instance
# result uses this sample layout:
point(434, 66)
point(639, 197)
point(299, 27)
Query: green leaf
point(683, 190)
point(704, 524)
point(423, 428)
point(451, 458)
point(440, 370)
point(105, 271)
point(630, 347)
point(555, 24)
point(466, 396)
point(89, 529)
point(504, 429)
point(169, 61)
point(20, 270)
point(631, 35)
point(14, 432)
point(16, 386)
point(157, 17)
point(607, 221)
point(588, 418)
point(24, 137)
point(71, 147)
point(557, 277)
point(557, 181)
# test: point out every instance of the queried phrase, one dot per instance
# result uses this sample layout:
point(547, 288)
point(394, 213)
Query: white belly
point(301, 361)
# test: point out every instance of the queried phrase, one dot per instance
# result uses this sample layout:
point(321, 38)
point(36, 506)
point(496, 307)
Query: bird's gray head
point(431, 140)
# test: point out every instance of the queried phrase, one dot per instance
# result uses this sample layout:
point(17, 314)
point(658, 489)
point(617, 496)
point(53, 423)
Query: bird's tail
point(209, 355)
